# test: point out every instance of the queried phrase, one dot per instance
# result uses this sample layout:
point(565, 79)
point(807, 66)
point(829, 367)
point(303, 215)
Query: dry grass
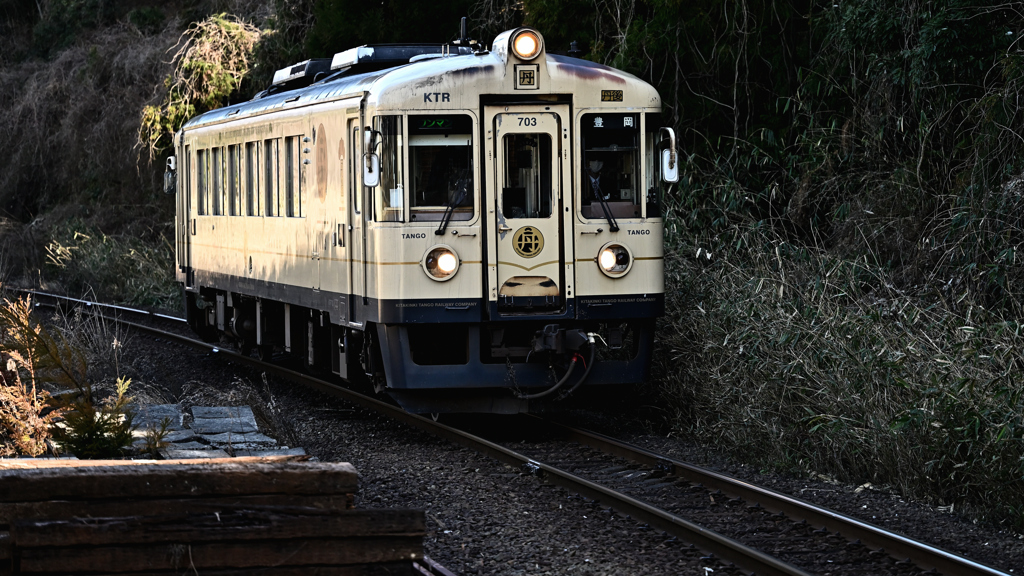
point(797, 358)
point(65, 129)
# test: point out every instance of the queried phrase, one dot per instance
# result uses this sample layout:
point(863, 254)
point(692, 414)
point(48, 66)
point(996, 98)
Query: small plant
point(92, 430)
point(32, 359)
point(156, 438)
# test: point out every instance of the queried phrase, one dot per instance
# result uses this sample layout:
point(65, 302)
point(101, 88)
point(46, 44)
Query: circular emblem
point(528, 241)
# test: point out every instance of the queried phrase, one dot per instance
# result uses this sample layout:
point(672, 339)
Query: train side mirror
point(171, 176)
point(669, 157)
point(371, 170)
point(371, 164)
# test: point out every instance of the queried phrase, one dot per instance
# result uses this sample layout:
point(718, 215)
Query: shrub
point(213, 57)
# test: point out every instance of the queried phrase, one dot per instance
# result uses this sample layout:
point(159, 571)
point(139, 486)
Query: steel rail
point(896, 545)
point(724, 548)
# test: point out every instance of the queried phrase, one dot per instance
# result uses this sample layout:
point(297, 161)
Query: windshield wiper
point(461, 187)
point(604, 205)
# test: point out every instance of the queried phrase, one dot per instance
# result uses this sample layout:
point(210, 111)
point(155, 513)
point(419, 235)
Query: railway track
point(760, 531)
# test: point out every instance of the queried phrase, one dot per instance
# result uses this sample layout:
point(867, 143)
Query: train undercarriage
point(498, 367)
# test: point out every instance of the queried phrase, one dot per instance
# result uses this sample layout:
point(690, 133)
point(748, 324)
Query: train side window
point(389, 194)
point(611, 166)
point(527, 190)
point(202, 182)
point(440, 167)
point(292, 176)
point(252, 179)
point(217, 171)
point(234, 181)
point(270, 182)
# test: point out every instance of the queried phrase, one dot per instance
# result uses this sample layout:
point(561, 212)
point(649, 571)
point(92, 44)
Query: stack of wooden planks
point(225, 516)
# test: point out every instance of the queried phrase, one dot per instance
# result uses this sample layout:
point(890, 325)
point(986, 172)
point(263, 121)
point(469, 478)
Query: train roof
point(446, 78)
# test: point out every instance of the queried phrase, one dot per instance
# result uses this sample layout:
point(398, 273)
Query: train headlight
point(440, 263)
point(614, 260)
point(526, 44)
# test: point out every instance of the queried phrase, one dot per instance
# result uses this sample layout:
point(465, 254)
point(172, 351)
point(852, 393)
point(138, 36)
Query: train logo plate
point(528, 242)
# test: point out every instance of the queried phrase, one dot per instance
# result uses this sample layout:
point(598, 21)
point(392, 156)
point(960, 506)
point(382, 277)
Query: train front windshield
point(611, 165)
point(441, 163)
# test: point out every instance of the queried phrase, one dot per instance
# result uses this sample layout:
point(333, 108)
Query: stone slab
point(185, 435)
point(222, 425)
point(261, 453)
point(228, 438)
point(171, 454)
point(199, 412)
point(189, 446)
point(147, 416)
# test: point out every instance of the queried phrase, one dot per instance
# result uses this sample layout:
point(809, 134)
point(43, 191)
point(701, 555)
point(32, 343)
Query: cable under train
point(470, 229)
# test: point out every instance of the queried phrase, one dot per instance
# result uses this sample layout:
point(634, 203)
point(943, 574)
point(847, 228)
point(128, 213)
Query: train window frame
point(601, 127)
point(654, 186)
point(217, 179)
point(234, 184)
point(252, 178)
point(535, 203)
point(202, 181)
point(272, 179)
point(293, 176)
point(391, 143)
point(441, 133)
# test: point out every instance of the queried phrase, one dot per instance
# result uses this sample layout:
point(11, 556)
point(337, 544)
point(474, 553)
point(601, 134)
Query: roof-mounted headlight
point(440, 263)
point(526, 44)
point(614, 260)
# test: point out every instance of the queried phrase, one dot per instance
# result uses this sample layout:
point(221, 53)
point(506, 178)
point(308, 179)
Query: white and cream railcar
point(467, 227)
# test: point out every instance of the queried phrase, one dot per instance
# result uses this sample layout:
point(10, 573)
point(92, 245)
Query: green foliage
point(96, 430)
point(213, 58)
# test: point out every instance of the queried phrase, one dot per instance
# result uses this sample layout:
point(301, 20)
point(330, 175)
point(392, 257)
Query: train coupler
point(554, 338)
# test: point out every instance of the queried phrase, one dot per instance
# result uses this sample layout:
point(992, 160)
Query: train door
point(354, 231)
point(185, 222)
point(530, 157)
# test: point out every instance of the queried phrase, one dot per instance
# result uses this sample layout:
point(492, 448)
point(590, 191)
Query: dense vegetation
point(845, 292)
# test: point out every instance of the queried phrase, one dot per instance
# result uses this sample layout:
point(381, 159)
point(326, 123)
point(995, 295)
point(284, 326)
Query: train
point(466, 229)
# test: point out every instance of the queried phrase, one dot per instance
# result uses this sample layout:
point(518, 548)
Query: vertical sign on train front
point(527, 77)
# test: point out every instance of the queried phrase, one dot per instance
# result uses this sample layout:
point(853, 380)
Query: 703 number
point(527, 121)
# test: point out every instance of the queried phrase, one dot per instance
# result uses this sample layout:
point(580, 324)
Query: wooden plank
point(57, 509)
point(33, 463)
point(382, 569)
point(230, 525)
point(194, 479)
point(203, 556)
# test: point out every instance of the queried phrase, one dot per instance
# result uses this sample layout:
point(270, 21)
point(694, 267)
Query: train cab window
point(252, 179)
point(217, 173)
point(202, 182)
point(610, 182)
point(389, 195)
point(440, 167)
point(271, 190)
point(526, 189)
point(234, 181)
point(655, 184)
point(293, 176)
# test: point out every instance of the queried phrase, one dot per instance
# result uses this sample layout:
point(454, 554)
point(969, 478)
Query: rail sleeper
point(218, 516)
